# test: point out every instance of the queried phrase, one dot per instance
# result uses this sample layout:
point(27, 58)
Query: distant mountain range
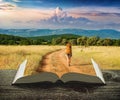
point(105, 33)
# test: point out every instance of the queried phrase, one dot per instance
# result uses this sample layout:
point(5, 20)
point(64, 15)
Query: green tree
point(92, 40)
point(56, 41)
point(64, 41)
point(73, 41)
point(107, 42)
point(24, 42)
point(53, 41)
point(11, 42)
point(83, 40)
point(79, 40)
point(99, 42)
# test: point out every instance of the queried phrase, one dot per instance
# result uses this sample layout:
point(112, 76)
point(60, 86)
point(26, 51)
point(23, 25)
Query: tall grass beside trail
point(107, 57)
point(12, 56)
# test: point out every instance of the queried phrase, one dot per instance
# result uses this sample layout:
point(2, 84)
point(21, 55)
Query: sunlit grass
point(106, 57)
point(12, 56)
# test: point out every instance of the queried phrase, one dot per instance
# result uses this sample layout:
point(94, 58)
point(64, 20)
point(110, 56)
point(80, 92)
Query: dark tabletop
point(59, 90)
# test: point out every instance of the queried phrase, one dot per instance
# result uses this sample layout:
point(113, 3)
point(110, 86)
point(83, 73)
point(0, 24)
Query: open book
point(52, 77)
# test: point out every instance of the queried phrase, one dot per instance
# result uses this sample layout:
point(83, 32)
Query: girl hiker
point(68, 51)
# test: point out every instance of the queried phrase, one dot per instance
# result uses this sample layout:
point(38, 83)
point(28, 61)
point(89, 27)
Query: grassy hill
point(11, 40)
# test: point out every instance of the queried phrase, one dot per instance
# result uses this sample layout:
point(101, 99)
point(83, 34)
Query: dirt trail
point(56, 62)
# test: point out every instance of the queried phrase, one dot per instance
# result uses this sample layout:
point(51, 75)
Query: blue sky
point(54, 14)
point(65, 3)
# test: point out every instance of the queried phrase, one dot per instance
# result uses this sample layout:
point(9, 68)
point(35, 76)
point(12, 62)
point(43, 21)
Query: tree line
point(60, 40)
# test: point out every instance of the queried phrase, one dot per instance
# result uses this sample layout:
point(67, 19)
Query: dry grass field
point(108, 57)
point(12, 56)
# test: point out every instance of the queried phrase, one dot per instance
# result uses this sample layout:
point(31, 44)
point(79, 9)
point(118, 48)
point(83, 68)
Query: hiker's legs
point(68, 60)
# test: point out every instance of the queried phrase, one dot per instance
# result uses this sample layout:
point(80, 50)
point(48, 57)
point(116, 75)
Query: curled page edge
point(98, 71)
point(20, 71)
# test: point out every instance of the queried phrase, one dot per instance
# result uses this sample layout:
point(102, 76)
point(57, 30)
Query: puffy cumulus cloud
point(37, 18)
point(59, 12)
point(61, 17)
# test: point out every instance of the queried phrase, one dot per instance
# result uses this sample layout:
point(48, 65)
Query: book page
point(36, 78)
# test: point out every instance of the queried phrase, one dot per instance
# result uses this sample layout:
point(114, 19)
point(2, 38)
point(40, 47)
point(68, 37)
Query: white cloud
point(100, 14)
point(62, 17)
point(57, 18)
point(59, 12)
point(94, 9)
point(7, 6)
point(16, 0)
